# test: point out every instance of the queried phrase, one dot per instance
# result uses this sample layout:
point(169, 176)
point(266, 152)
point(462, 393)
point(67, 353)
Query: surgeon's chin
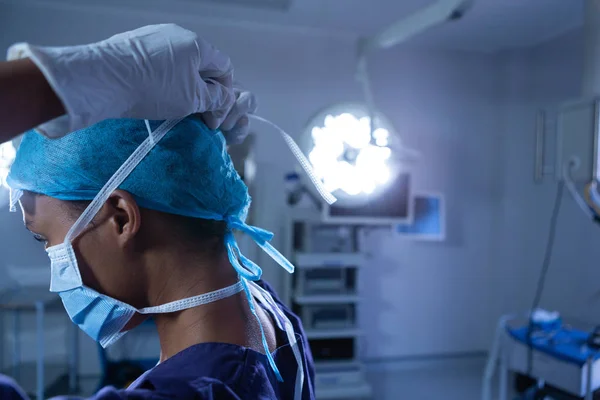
point(136, 320)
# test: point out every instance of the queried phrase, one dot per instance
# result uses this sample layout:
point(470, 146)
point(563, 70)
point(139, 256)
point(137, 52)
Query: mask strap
point(205, 298)
point(328, 197)
point(262, 330)
point(265, 297)
point(249, 271)
point(122, 173)
point(15, 196)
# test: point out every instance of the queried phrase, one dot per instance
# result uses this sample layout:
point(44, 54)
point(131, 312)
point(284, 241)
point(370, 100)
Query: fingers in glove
point(215, 86)
point(238, 133)
point(213, 63)
point(245, 104)
point(216, 100)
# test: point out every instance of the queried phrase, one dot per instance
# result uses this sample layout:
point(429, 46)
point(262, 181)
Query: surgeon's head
point(174, 203)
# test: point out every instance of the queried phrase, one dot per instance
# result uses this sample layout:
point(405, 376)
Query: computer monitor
point(393, 206)
point(429, 222)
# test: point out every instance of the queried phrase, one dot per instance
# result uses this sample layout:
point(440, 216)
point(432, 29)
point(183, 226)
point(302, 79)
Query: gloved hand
point(235, 126)
point(155, 72)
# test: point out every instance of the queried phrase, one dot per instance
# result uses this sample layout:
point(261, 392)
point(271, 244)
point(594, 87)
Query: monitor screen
point(429, 218)
point(391, 207)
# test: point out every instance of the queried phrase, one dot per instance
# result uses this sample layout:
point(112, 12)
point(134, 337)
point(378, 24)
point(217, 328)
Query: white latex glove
point(236, 125)
point(156, 72)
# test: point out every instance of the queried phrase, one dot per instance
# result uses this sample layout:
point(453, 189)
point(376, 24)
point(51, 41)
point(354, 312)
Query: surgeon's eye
point(40, 238)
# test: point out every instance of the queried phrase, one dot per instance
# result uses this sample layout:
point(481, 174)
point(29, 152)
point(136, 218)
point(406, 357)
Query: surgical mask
point(101, 317)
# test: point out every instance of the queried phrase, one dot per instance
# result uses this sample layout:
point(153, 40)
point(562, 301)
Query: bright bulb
point(321, 161)
point(368, 187)
point(331, 184)
point(349, 129)
point(372, 160)
point(367, 184)
point(381, 137)
point(386, 153)
point(383, 175)
point(341, 135)
point(372, 156)
point(346, 173)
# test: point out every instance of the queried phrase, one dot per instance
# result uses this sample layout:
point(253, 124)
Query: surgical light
point(7, 156)
point(350, 159)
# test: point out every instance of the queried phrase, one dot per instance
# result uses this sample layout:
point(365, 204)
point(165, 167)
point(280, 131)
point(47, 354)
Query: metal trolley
point(558, 359)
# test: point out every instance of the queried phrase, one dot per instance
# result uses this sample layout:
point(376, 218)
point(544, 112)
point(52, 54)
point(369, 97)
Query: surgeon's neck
point(226, 321)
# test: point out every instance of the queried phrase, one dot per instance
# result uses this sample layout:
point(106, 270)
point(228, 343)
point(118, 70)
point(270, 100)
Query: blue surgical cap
point(188, 172)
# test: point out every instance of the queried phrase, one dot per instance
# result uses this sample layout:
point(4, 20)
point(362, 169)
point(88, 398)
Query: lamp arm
point(415, 24)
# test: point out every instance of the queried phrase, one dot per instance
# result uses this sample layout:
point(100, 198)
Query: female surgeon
point(137, 207)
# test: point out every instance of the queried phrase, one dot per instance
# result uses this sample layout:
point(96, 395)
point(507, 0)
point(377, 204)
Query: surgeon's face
point(106, 253)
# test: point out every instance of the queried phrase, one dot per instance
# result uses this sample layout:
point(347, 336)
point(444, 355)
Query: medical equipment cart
point(324, 292)
point(558, 356)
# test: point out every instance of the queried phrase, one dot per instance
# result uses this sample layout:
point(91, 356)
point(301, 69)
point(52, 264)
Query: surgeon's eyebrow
point(36, 236)
point(29, 225)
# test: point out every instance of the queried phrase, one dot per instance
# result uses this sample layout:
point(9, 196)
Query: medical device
point(594, 339)
point(365, 169)
point(395, 206)
point(563, 358)
point(324, 238)
point(578, 157)
point(429, 218)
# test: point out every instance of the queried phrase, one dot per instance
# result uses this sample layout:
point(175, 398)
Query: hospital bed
point(556, 355)
point(38, 300)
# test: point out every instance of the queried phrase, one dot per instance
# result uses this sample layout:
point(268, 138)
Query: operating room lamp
point(353, 148)
point(351, 159)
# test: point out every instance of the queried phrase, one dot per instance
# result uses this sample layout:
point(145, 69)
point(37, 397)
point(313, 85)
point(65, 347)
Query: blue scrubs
point(214, 371)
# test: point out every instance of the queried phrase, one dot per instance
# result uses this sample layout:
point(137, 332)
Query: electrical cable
point(544, 270)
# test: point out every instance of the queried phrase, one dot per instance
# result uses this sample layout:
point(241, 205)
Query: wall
point(427, 294)
point(419, 297)
point(541, 78)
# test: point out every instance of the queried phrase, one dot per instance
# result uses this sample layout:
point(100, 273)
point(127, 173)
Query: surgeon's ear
point(125, 218)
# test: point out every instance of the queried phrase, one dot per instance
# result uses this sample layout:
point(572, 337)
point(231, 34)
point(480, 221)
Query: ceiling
point(491, 25)
point(494, 25)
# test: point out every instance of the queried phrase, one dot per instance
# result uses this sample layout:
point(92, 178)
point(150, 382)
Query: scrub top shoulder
point(215, 371)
